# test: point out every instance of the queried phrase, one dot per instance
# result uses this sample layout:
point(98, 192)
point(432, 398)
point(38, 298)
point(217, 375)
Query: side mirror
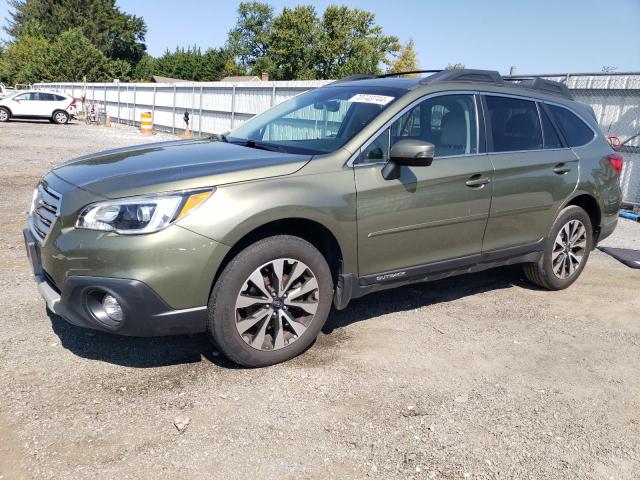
point(409, 152)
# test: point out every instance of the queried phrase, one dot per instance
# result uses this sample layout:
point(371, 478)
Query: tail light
point(73, 102)
point(615, 160)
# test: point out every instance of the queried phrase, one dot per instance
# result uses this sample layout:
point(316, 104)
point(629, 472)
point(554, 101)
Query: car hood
point(174, 165)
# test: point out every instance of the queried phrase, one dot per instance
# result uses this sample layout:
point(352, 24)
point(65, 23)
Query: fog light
point(112, 308)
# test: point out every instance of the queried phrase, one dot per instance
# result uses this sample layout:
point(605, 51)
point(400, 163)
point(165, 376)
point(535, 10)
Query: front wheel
point(566, 251)
point(60, 117)
point(271, 301)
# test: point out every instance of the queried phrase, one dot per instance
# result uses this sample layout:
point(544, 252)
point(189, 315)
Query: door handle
point(561, 169)
point(477, 181)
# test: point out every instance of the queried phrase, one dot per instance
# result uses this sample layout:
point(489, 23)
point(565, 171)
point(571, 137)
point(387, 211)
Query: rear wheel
point(5, 114)
point(566, 251)
point(271, 301)
point(60, 117)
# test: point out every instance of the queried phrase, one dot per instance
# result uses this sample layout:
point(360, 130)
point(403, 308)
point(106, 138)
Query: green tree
point(298, 45)
point(26, 61)
point(407, 59)
point(118, 35)
point(292, 42)
point(351, 42)
point(145, 69)
point(455, 66)
point(192, 64)
point(248, 41)
point(72, 57)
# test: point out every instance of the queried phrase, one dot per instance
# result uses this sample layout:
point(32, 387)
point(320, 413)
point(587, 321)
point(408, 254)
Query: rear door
point(429, 214)
point(48, 103)
point(534, 171)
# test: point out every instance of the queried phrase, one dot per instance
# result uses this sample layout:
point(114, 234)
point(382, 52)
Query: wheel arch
point(310, 230)
point(7, 109)
point(590, 205)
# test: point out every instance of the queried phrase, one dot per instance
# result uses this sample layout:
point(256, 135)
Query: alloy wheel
point(61, 117)
point(569, 249)
point(276, 304)
point(4, 115)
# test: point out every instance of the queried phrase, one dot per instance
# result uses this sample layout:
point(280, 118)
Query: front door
point(429, 214)
point(25, 104)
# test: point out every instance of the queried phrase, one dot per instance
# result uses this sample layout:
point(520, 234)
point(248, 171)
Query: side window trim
point(559, 132)
point(353, 159)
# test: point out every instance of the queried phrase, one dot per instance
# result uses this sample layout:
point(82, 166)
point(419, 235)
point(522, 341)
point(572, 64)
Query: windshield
point(316, 122)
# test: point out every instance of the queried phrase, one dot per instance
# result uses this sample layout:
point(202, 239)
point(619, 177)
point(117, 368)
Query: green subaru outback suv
point(365, 184)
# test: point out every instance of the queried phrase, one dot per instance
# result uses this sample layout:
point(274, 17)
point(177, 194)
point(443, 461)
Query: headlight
point(137, 215)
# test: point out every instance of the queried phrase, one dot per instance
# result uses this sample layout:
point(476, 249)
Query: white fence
point(215, 107)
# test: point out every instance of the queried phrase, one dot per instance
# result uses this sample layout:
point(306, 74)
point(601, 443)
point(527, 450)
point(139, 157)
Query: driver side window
point(447, 121)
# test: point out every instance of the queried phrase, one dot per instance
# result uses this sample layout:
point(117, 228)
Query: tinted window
point(447, 121)
point(551, 138)
point(46, 97)
point(514, 124)
point(59, 98)
point(574, 129)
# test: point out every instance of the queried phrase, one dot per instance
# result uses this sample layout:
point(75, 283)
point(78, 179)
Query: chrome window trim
point(352, 160)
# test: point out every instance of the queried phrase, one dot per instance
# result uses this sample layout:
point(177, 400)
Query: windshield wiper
point(260, 146)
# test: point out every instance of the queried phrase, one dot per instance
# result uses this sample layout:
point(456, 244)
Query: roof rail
point(358, 76)
point(475, 76)
point(464, 75)
point(542, 85)
point(409, 72)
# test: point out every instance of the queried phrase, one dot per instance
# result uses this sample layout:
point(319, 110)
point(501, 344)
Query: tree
point(455, 66)
point(145, 69)
point(407, 60)
point(119, 36)
point(73, 57)
point(351, 42)
point(192, 64)
point(292, 41)
point(248, 41)
point(26, 61)
point(298, 45)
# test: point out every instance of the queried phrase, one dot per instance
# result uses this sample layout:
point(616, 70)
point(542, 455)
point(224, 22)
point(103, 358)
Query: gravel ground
point(480, 376)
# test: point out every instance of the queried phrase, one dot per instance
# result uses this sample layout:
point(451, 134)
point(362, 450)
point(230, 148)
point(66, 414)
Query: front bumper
point(78, 301)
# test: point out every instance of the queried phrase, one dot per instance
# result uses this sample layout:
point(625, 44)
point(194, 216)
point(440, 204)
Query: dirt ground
point(480, 376)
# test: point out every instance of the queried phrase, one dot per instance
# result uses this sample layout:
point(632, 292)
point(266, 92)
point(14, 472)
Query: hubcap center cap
point(277, 303)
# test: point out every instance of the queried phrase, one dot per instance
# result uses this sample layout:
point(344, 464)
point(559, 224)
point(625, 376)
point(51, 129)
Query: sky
point(536, 36)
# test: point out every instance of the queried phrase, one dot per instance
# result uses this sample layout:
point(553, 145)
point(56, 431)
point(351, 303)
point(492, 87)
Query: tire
point(261, 323)
point(60, 117)
point(5, 114)
point(562, 262)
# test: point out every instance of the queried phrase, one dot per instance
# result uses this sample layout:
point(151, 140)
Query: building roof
point(159, 79)
point(242, 78)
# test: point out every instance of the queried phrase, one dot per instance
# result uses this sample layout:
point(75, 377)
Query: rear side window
point(59, 98)
point(551, 138)
point(575, 130)
point(515, 124)
point(46, 97)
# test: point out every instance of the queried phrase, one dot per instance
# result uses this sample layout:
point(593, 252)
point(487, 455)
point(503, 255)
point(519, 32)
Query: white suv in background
point(55, 106)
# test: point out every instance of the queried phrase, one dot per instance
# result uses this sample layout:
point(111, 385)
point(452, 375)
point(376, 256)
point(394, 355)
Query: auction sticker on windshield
point(368, 98)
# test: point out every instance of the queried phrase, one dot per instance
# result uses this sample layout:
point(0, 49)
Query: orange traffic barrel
point(146, 123)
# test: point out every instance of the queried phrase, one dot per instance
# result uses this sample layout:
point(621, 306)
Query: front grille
point(44, 211)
